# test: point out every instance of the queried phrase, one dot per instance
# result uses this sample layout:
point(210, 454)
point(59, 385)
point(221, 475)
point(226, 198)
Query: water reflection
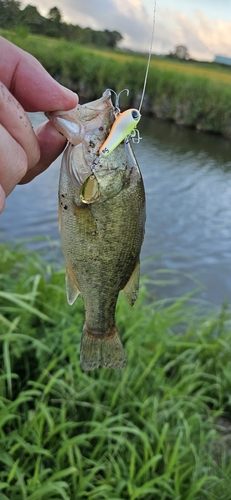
point(188, 142)
point(187, 178)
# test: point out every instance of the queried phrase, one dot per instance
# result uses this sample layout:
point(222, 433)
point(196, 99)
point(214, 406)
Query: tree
point(181, 52)
point(12, 15)
point(31, 18)
point(53, 25)
point(113, 37)
point(55, 16)
point(9, 13)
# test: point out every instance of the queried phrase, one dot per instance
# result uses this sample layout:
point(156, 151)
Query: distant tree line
point(12, 16)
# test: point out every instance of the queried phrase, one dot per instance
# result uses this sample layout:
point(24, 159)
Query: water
point(187, 178)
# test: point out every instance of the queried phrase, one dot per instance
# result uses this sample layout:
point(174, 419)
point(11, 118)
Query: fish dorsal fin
point(71, 288)
point(132, 286)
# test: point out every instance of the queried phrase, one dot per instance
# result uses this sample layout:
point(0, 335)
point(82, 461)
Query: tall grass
point(157, 430)
point(192, 94)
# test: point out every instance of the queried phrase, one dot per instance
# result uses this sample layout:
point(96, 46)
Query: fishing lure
point(122, 127)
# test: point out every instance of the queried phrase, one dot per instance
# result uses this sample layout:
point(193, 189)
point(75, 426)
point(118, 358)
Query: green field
point(160, 429)
point(190, 93)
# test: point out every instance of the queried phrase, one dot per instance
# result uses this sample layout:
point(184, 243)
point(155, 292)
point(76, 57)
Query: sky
point(203, 26)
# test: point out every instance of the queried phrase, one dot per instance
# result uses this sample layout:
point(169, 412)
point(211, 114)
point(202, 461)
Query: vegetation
point(13, 16)
point(159, 429)
point(189, 93)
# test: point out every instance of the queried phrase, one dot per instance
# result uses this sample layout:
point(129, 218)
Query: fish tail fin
point(101, 350)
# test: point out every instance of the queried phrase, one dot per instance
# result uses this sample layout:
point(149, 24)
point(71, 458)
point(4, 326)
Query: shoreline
point(191, 94)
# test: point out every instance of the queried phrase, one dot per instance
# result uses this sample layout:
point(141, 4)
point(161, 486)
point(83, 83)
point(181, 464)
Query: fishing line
point(125, 123)
point(149, 55)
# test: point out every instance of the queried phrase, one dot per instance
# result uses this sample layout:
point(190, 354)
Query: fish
point(101, 222)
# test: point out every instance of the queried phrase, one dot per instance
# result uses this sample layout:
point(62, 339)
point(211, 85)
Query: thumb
point(51, 143)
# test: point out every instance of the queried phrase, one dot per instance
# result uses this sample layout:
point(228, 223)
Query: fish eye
point(135, 114)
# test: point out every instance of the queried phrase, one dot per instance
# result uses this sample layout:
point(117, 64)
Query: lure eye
point(135, 114)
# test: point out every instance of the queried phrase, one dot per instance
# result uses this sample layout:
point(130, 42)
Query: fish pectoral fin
point(101, 349)
point(131, 288)
point(71, 288)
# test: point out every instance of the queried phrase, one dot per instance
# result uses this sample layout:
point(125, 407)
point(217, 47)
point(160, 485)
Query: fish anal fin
point(71, 288)
point(102, 350)
point(131, 288)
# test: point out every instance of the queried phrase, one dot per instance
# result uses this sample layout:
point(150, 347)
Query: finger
point(14, 119)
point(2, 199)
point(13, 164)
point(51, 144)
point(30, 83)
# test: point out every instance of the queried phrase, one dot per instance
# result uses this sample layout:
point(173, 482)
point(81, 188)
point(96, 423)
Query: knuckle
point(21, 164)
point(19, 159)
point(13, 168)
point(33, 155)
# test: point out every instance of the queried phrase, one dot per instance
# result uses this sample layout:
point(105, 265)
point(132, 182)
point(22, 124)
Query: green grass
point(157, 430)
point(189, 93)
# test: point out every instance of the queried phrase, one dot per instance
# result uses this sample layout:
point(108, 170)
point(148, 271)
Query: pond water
point(187, 178)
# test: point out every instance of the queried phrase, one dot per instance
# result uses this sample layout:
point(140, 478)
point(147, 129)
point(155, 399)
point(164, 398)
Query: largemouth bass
point(101, 223)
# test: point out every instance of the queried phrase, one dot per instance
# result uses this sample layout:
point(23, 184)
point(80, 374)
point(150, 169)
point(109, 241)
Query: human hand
point(26, 86)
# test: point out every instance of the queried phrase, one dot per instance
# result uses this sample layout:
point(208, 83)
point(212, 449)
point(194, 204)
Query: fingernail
point(70, 93)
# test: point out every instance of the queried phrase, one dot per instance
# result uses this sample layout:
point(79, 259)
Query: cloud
point(129, 17)
point(202, 36)
point(216, 35)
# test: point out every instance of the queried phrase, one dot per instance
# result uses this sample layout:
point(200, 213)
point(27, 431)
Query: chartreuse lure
point(122, 127)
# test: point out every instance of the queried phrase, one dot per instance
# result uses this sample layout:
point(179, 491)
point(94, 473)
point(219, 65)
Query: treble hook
point(122, 127)
point(117, 96)
point(135, 136)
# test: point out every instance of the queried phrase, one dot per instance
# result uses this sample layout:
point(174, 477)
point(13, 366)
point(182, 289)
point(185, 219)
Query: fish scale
point(101, 239)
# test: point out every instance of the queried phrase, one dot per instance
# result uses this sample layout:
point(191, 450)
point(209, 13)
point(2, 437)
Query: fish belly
point(101, 245)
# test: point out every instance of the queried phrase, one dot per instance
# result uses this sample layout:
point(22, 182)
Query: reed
point(191, 94)
point(159, 429)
